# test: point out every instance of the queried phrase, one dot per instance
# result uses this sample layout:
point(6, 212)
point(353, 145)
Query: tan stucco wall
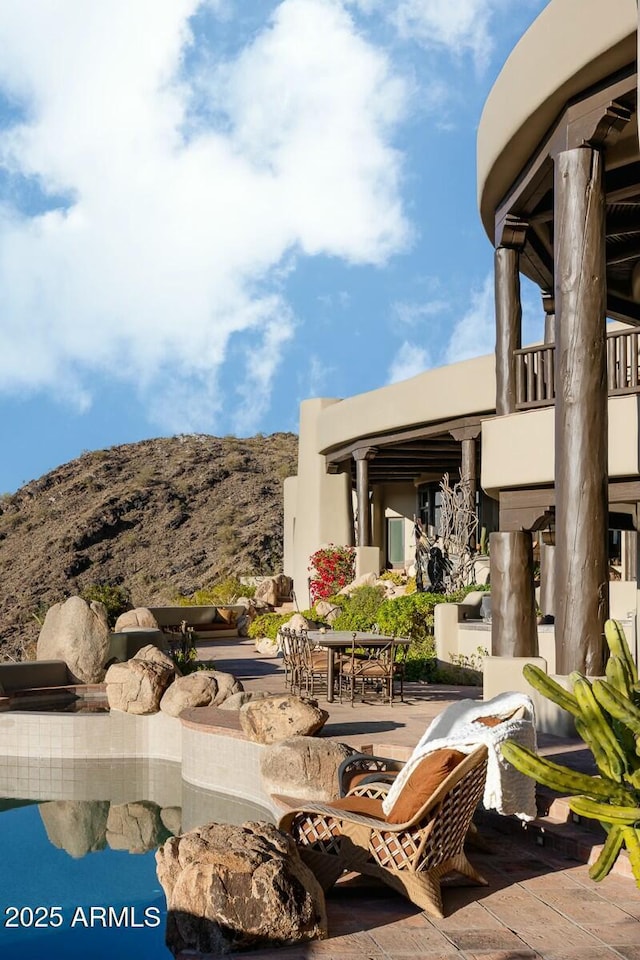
point(572, 45)
point(457, 390)
point(290, 497)
point(518, 450)
point(321, 504)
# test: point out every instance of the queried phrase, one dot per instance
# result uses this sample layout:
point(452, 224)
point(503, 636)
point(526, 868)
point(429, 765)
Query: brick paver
point(539, 903)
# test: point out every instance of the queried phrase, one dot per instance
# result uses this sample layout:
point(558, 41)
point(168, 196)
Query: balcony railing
point(536, 370)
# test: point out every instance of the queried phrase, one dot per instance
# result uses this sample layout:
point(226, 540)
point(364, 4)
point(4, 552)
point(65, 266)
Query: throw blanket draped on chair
point(507, 791)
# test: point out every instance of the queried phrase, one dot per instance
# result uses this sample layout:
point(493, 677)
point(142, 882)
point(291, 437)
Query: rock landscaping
point(78, 633)
point(236, 887)
point(278, 718)
point(304, 767)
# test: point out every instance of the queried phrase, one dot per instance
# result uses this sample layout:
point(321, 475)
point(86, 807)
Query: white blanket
point(507, 791)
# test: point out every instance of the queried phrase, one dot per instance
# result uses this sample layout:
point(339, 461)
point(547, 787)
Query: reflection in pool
point(63, 857)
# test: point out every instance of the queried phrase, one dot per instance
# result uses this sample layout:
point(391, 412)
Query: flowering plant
point(333, 568)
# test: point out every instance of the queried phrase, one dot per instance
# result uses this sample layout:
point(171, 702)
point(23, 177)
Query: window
point(395, 541)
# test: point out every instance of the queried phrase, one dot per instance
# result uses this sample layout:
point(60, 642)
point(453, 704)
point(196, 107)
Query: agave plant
point(607, 717)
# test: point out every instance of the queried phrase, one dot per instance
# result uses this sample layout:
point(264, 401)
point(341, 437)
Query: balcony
point(536, 370)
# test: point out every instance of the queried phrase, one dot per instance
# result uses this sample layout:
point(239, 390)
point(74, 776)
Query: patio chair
point(373, 668)
point(463, 725)
point(411, 856)
point(313, 665)
point(289, 659)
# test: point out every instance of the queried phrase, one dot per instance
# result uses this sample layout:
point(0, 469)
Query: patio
point(540, 901)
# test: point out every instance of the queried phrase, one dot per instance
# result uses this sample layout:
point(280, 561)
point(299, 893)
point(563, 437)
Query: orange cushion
point(489, 721)
point(365, 805)
point(427, 776)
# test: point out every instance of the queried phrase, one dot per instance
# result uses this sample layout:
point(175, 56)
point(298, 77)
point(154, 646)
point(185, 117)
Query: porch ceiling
point(406, 460)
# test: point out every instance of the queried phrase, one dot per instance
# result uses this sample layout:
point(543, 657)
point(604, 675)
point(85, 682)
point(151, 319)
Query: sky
point(211, 210)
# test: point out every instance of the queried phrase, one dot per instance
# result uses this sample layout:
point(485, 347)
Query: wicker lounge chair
point(412, 856)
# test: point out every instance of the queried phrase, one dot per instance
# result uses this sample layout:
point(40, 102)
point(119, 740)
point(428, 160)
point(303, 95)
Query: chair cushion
point(365, 805)
point(429, 773)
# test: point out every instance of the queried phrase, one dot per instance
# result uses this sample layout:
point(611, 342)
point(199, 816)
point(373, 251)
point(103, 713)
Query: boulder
point(364, 580)
point(266, 647)
point(77, 826)
point(78, 633)
point(328, 611)
point(152, 654)
point(227, 686)
point(273, 590)
point(134, 619)
point(195, 690)
point(278, 718)
point(172, 820)
point(305, 767)
point(137, 686)
point(237, 700)
point(237, 887)
point(136, 827)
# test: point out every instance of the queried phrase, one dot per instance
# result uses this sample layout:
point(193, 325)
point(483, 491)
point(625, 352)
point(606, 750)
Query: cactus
point(607, 717)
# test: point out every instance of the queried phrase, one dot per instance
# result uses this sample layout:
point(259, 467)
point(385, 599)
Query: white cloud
point(461, 26)
point(408, 361)
point(172, 248)
point(475, 333)
point(411, 314)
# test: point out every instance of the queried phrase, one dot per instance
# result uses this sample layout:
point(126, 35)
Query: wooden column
point(547, 579)
point(469, 472)
point(580, 412)
point(514, 630)
point(362, 457)
point(508, 327)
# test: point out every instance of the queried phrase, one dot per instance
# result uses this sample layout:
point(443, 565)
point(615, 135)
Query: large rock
point(227, 686)
point(172, 820)
point(364, 580)
point(237, 700)
point(136, 827)
point(236, 887)
point(195, 690)
point(137, 686)
point(304, 767)
point(151, 654)
point(328, 611)
point(273, 590)
point(278, 718)
point(134, 619)
point(77, 826)
point(266, 647)
point(78, 633)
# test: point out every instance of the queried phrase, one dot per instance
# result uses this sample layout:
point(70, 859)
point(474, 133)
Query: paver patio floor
point(538, 902)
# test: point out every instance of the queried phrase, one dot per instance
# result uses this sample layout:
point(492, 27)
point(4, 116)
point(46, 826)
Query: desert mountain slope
point(160, 517)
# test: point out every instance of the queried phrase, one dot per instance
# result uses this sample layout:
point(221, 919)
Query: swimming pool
point(78, 876)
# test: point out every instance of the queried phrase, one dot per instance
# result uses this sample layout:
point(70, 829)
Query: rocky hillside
point(159, 518)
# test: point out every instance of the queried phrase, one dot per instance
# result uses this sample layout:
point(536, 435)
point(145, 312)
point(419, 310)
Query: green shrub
point(227, 591)
point(394, 576)
point(115, 598)
point(360, 612)
point(267, 625)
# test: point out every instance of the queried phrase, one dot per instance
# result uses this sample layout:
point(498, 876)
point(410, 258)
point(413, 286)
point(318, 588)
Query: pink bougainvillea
point(332, 568)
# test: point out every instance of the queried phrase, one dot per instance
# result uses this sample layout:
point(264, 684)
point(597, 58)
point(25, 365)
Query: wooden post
point(469, 472)
point(362, 457)
point(514, 630)
point(547, 578)
point(508, 327)
point(582, 596)
point(549, 305)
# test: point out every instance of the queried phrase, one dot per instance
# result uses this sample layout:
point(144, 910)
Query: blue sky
point(213, 209)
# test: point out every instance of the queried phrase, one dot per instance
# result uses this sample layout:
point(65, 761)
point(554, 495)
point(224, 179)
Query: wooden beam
point(508, 327)
point(619, 307)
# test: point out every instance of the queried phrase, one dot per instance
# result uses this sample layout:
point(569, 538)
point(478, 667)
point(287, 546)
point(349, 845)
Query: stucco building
point(548, 433)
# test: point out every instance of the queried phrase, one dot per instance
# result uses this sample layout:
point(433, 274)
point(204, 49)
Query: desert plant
point(333, 568)
point(607, 717)
point(227, 591)
point(115, 598)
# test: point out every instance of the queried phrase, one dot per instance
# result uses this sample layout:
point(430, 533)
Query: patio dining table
point(341, 640)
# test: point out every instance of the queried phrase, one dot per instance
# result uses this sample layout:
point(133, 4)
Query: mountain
point(159, 518)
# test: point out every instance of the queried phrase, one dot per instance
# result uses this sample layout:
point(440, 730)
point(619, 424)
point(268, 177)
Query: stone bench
point(31, 674)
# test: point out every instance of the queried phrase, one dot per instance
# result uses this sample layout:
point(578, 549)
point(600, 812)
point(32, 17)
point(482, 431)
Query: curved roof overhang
point(573, 45)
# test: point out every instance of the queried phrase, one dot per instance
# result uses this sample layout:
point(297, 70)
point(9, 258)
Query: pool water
point(78, 876)
point(36, 877)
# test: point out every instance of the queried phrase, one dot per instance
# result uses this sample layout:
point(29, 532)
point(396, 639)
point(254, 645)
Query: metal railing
point(536, 373)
